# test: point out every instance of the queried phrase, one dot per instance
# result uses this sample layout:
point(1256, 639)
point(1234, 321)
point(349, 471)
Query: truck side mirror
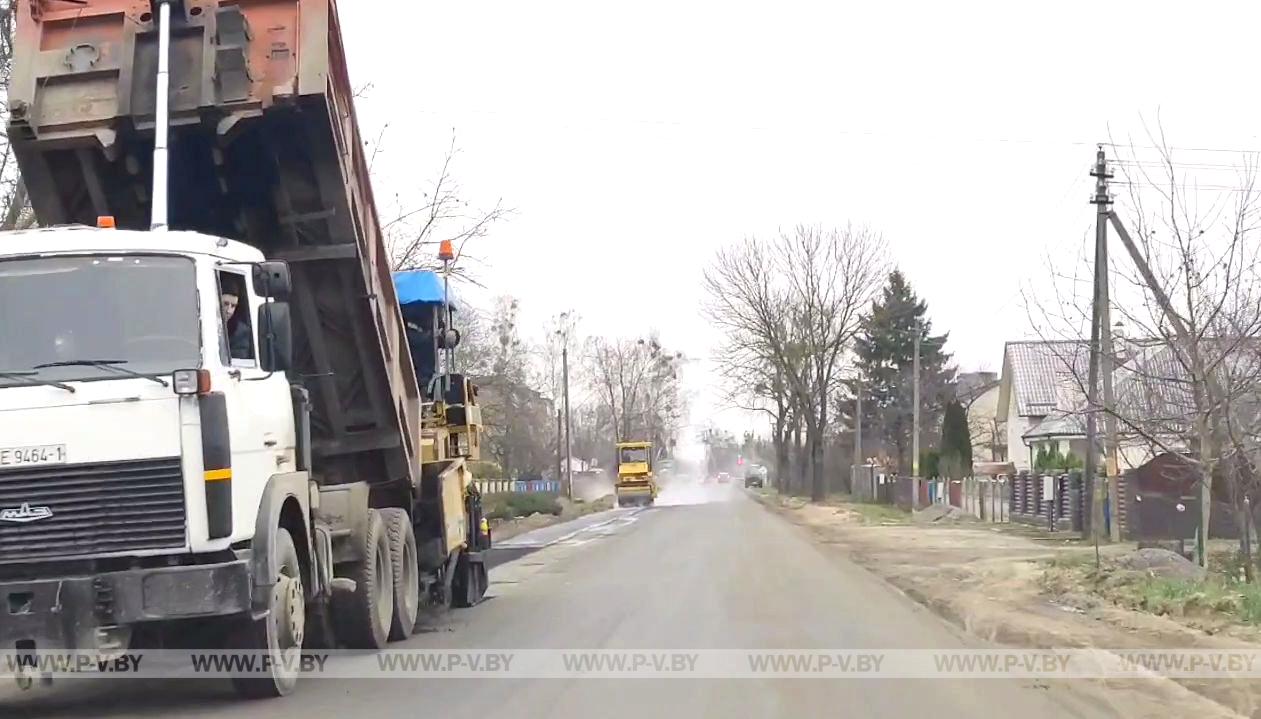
point(275, 337)
point(271, 279)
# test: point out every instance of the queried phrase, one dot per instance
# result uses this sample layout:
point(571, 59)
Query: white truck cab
point(134, 423)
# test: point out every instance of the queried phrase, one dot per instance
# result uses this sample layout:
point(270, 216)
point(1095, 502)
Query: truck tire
point(363, 617)
point(281, 632)
point(404, 572)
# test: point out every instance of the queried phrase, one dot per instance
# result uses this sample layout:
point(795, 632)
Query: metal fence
point(985, 498)
point(503, 486)
point(1054, 501)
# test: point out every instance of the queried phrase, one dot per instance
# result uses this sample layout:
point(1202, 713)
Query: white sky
point(633, 139)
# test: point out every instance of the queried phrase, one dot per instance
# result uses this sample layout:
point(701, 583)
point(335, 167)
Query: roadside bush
point(521, 504)
point(485, 469)
point(527, 503)
point(496, 507)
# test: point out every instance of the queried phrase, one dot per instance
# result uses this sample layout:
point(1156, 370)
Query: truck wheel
point(281, 632)
point(363, 617)
point(404, 571)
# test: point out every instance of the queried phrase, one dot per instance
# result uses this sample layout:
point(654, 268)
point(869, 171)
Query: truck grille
point(96, 509)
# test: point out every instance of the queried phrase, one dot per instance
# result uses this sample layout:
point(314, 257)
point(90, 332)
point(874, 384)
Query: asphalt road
point(705, 569)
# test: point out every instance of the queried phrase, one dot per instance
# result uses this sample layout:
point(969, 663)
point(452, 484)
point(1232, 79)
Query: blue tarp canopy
point(420, 287)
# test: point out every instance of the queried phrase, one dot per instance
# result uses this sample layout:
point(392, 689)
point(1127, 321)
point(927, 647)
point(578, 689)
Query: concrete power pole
point(1100, 201)
point(560, 447)
point(858, 432)
point(569, 455)
point(915, 405)
point(1107, 359)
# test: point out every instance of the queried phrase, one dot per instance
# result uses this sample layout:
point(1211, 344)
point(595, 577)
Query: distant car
point(753, 479)
point(723, 477)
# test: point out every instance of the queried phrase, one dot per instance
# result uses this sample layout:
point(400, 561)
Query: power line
point(1193, 187)
point(1179, 165)
point(604, 120)
point(1236, 151)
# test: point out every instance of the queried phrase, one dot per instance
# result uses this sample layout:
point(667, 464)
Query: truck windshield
point(72, 318)
point(634, 454)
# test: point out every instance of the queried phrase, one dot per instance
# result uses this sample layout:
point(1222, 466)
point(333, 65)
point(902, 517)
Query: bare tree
point(15, 208)
point(795, 304)
point(558, 332)
point(638, 384)
point(986, 430)
point(516, 414)
point(442, 213)
point(664, 402)
point(755, 384)
point(987, 434)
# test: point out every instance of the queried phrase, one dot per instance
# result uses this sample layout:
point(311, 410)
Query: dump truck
point(636, 485)
point(211, 422)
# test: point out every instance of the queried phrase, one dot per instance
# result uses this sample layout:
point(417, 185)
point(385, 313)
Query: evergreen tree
point(930, 463)
point(956, 442)
point(884, 352)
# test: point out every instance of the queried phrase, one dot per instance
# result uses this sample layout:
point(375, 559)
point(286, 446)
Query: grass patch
point(1183, 598)
point(1219, 596)
point(1250, 603)
point(1073, 560)
point(509, 505)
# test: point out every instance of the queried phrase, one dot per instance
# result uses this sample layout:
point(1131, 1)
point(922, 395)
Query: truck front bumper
point(67, 612)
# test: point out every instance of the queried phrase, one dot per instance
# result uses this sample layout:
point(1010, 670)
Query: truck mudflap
point(67, 612)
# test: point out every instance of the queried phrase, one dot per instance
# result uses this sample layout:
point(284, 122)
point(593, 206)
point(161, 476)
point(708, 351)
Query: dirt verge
point(1019, 586)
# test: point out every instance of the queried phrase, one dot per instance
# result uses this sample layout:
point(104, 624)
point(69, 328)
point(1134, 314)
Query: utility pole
point(560, 448)
point(1099, 295)
point(1107, 364)
point(858, 429)
point(563, 332)
point(859, 461)
point(915, 404)
point(569, 458)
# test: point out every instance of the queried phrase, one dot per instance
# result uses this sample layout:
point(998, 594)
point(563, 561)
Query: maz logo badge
point(25, 513)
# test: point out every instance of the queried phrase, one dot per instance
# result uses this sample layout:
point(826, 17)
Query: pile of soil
point(1162, 563)
point(936, 513)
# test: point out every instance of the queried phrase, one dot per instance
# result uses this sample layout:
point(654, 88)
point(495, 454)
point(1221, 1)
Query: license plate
point(30, 456)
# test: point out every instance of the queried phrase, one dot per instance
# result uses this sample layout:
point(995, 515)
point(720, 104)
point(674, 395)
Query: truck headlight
point(191, 381)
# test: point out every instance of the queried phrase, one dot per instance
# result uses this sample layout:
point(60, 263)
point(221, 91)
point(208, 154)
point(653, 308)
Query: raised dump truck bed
point(264, 149)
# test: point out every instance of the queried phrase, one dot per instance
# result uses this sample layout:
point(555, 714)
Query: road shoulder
point(990, 584)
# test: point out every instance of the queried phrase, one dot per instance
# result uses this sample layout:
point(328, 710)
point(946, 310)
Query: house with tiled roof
point(1041, 399)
